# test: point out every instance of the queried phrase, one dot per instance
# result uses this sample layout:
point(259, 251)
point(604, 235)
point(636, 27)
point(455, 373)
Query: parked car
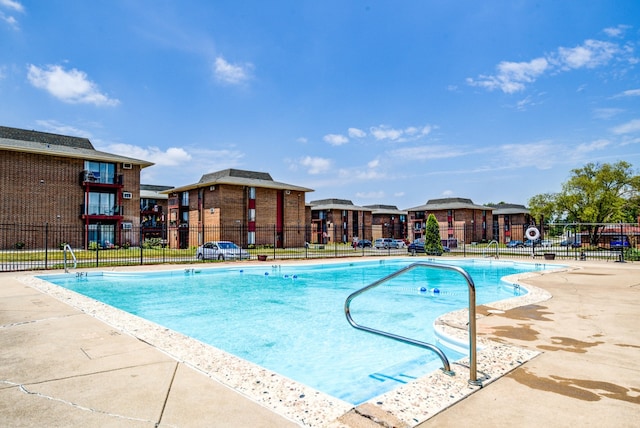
point(515, 244)
point(398, 243)
point(618, 242)
point(221, 250)
point(363, 243)
point(383, 243)
point(571, 243)
point(538, 243)
point(417, 246)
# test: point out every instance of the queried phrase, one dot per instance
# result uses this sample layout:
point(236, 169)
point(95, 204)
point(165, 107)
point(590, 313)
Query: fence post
point(46, 245)
point(622, 241)
point(140, 243)
point(98, 250)
point(464, 242)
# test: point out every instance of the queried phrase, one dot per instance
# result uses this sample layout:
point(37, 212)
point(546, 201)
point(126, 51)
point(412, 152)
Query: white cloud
point(606, 113)
point(13, 5)
point(173, 156)
point(374, 163)
point(416, 131)
point(539, 154)
point(71, 86)
point(232, 74)
point(302, 140)
point(627, 128)
point(56, 127)
point(512, 77)
point(335, 139)
point(593, 146)
point(10, 20)
point(356, 133)
point(616, 31)
point(427, 152)
point(629, 93)
point(360, 174)
point(384, 132)
point(591, 54)
point(316, 165)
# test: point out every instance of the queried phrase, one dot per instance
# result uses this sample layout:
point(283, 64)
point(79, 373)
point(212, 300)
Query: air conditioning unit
point(127, 226)
point(126, 195)
point(212, 188)
point(127, 166)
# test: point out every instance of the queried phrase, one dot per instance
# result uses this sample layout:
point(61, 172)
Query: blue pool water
point(290, 319)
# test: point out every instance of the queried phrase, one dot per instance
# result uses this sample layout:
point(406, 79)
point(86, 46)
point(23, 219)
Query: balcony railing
point(92, 177)
point(100, 210)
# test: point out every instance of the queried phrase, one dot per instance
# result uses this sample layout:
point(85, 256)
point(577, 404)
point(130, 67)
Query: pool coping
point(410, 404)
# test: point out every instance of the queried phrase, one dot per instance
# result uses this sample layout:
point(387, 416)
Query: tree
point(594, 194)
point(432, 243)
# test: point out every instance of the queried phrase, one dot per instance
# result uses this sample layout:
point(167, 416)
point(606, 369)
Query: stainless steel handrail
point(472, 318)
point(484, 251)
point(75, 261)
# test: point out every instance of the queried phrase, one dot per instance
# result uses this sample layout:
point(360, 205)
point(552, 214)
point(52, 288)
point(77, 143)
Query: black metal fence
point(47, 246)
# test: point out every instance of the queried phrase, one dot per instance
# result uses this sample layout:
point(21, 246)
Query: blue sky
point(379, 102)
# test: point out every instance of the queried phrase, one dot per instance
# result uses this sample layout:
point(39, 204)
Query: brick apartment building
point(460, 220)
point(510, 222)
point(58, 180)
point(388, 221)
point(153, 211)
point(339, 220)
point(246, 207)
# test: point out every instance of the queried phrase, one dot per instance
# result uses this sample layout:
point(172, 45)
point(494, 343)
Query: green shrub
point(632, 254)
point(432, 243)
point(151, 243)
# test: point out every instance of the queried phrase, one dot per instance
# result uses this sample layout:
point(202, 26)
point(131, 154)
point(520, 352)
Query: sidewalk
point(60, 366)
point(588, 373)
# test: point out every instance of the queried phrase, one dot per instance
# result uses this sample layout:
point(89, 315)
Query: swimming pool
point(290, 318)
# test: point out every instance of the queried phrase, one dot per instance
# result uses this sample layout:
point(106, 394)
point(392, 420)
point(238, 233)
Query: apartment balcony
point(101, 212)
point(151, 210)
point(92, 179)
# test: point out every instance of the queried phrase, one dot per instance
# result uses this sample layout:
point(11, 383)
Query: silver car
point(221, 250)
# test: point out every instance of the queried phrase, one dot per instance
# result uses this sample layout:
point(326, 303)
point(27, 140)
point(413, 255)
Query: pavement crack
point(166, 398)
point(19, 323)
point(22, 388)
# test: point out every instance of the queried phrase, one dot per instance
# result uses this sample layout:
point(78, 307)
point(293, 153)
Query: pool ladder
point(64, 256)
point(484, 251)
point(473, 378)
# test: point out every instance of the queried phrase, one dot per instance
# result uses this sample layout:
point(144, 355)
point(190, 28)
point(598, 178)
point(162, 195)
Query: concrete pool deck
point(64, 364)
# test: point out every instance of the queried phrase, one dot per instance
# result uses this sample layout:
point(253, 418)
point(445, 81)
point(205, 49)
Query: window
point(185, 199)
point(102, 234)
point(102, 204)
point(102, 172)
point(252, 192)
point(252, 215)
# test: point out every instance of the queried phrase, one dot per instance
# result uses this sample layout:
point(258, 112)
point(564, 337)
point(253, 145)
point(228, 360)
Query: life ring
point(532, 233)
